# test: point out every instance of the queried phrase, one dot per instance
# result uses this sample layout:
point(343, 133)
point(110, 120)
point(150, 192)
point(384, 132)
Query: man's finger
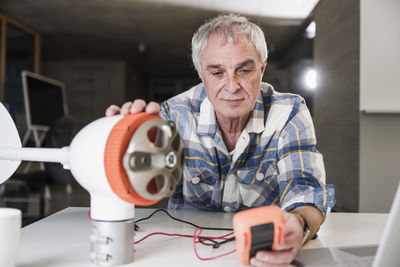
point(276, 257)
point(258, 263)
point(138, 105)
point(125, 109)
point(292, 240)
point(112, 110)
point(153, 108)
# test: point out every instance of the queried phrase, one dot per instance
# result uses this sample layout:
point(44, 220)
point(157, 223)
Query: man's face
point(231, 72)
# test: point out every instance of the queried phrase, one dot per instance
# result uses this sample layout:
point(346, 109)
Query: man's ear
point(263, 66)
point(200, 76)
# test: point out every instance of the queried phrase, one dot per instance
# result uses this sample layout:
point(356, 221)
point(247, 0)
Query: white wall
point(379, 93)
point(380, 56)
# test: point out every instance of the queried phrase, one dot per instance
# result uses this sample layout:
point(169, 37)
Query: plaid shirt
point(275, 160)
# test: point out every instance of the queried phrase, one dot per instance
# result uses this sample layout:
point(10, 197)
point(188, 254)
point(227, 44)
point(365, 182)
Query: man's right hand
point(138, 105)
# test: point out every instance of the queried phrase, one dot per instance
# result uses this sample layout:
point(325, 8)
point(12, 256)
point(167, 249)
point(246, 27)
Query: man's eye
point(244, 71)
point(217, 73)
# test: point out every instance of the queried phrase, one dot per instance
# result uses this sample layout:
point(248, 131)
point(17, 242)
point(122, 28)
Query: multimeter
point(255, 229)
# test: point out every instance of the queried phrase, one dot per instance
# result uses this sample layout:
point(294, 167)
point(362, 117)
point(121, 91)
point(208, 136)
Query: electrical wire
point(214, 243)
point(190, 236)
point(196, 235)
point(161, 233)
point(197, 238)
point(183, 221)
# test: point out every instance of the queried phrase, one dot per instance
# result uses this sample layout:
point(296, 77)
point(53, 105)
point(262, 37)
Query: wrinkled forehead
point(221, 41)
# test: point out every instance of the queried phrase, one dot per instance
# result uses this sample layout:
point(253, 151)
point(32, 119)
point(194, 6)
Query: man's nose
point(232, 83)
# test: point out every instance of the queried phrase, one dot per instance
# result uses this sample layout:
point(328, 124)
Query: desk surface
point(62, 239)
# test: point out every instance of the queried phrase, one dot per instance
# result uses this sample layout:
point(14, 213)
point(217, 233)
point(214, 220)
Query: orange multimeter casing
point(257, 229)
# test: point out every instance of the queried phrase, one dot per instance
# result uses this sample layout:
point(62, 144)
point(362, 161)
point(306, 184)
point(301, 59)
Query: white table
point(63, 238)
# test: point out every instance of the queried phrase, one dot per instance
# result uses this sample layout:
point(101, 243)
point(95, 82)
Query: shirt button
point(231, 177)
point(260, 176)
point(195, 180)
point(227, 209)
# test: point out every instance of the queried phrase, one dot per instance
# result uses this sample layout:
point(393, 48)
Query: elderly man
point(246, 145)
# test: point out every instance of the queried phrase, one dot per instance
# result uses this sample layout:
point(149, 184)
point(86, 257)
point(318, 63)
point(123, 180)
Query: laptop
point(387, 254)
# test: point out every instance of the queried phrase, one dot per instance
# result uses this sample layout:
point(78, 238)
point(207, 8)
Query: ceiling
point(154, 35)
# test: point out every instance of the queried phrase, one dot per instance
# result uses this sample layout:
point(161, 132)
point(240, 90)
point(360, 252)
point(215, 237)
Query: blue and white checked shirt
point(275, 160)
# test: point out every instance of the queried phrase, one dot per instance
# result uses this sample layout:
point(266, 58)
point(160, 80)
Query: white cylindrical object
point(112, 243)
point(10, 229)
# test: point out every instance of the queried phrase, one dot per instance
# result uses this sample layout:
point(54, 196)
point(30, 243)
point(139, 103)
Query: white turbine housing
point(86, 160)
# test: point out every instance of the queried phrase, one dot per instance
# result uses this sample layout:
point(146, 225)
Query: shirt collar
point(256, 121)
point(207, 122)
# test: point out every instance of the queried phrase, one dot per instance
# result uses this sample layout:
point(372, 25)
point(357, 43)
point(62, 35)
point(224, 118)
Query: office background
point(107, 52)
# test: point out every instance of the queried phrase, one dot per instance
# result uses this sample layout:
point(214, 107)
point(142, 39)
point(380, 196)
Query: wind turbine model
point(121, 161)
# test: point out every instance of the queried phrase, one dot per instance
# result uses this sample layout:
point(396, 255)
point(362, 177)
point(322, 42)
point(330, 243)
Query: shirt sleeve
point(301, 172)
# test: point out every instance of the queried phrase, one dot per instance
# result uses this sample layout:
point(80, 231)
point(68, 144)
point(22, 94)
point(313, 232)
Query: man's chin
point(230, 113)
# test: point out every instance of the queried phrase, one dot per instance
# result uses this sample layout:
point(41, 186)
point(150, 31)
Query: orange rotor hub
point(116, 146)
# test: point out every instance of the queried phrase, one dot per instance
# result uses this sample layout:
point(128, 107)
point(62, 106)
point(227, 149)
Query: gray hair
point(230, 27)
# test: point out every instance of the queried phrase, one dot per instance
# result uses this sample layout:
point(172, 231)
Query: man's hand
point(293, 239)
point(286, 251)
point(138, 105)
